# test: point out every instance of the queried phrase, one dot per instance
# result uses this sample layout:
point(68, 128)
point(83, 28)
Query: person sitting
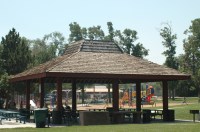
point(68, 108)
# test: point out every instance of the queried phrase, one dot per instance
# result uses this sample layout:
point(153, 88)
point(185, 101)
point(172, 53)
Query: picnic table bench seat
point(23, 115)
point(152, 103)
point(21, 118)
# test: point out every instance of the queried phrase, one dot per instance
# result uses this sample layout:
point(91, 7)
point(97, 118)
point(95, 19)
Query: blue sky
point(35, 18)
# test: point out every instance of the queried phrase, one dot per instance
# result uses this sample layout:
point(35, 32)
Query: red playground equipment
point(149, 93)
point(146, 100)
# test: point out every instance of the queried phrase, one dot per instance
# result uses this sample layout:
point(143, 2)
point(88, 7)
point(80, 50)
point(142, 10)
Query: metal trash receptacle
point(40, 116)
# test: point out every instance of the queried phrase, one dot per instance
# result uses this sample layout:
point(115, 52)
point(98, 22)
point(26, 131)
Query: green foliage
point(1, 61)
point(110, 31)
point(57, 41)
point(41, 52)
point(51, 46)
point(15, 54)
point(127, 40)
point(95, 33)
point(139, 50)
point(76, 33)
point(4, 82)
point(192, 55)
point(169, 43)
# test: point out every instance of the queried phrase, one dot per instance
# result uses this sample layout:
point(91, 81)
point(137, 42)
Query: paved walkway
point(14, 124)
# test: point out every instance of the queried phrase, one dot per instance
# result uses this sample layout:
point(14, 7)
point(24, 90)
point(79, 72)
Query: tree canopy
point(126, 39)
point(191, 56)
point(169, 43)
point(15, 54)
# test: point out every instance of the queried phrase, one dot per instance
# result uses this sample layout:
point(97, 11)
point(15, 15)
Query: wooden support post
point(165, 95)
point(59, 94)
point(41, 89)
point(138, 96)
point(28, 95)
point(115, 87)
point(74, 95)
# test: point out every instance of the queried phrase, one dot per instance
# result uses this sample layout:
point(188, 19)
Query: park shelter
point(91, 61)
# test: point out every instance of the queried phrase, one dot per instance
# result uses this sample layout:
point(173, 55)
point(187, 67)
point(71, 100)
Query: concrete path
point(14, 124)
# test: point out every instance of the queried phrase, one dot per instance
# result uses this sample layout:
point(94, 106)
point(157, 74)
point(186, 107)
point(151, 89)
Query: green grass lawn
point(151, 127)
point(181, 112)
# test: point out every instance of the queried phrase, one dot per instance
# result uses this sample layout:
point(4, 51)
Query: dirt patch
point(103, 106)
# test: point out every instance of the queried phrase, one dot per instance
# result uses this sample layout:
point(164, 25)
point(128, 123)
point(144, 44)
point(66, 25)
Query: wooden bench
point(149, 103)
point(2, 118)
point(194, 112)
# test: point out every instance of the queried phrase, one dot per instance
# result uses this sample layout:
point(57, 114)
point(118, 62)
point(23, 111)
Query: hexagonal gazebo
point(89, 61)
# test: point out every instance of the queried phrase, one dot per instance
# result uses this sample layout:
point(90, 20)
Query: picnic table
point(156, 112)
point(8, 113)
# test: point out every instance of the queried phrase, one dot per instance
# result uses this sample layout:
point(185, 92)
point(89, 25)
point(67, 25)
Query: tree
point(169, 43)
point(110, 31)
point(139, 51)
point(15, 54)
point(40, 52)
point(127, 39)
point(95, 33)
point(84, 32)
point(1, 61)
point(192, 54)
point(15, 58)
point(57, 41)
point(76, 33)
point(51, 46)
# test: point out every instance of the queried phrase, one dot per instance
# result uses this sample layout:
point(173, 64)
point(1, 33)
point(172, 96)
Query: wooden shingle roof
point(99, 59)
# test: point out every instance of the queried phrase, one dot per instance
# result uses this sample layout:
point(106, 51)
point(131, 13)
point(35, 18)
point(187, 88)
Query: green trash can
point(40, 115)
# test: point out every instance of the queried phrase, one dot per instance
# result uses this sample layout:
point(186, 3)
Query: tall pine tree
point(15, 54)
